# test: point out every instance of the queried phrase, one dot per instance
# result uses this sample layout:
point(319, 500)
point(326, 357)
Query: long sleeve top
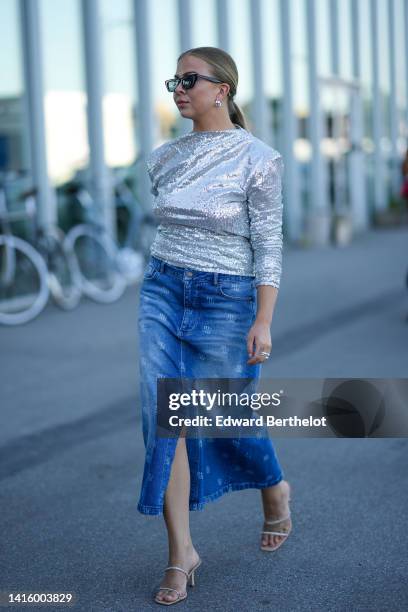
point(218, 203)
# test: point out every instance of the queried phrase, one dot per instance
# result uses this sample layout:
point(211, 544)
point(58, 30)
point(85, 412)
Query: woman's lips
point(181, 103)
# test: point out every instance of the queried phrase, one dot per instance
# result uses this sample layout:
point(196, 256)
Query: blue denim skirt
point(194, 324)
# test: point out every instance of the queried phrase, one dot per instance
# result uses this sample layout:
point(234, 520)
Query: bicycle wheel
point(62, 273)
point(95, 261)
point(24, 290)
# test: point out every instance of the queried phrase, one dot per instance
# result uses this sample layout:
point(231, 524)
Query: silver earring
point(218, 103)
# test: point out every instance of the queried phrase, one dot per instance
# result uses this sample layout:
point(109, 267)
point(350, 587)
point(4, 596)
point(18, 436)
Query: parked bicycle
point(49, 242)
point(31, 271)
point(140, 223)
point(24, 290)
point(104, 270)
point(86, 260)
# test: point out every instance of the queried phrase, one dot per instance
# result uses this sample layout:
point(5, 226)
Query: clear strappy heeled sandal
point(284, 534)
point(180, 596)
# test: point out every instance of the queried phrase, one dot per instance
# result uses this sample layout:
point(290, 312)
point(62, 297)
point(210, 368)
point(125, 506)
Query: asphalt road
point(71, 455)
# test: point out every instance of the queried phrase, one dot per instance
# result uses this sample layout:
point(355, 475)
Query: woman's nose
point(181, 90)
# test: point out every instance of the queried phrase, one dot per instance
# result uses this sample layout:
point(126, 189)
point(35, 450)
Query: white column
point(292, 208)
point(185, 43)
point(34, 102)
point(185, 25)
point(393, 109)
point(359, 205)
point(338, 159)
point(147, 121)
point(100, 186)
point(406, 63)
point(260, 114)
point(320, 215)
point(334, 37)
point(379, 191)
point(222, 25)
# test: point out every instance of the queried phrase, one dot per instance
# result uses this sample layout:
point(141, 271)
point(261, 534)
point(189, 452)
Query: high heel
point(190, 580)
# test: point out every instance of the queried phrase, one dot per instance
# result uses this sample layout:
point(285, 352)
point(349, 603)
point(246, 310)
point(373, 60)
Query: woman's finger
point(250, 343)
point(255, 353)
point(260, 347)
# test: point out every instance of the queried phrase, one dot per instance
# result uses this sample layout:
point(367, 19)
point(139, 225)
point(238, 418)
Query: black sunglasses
point(188, 81)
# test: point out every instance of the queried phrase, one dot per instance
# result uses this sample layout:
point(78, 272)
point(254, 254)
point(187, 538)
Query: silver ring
point(264, 353)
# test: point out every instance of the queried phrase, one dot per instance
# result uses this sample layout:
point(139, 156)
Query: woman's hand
point(260, 334)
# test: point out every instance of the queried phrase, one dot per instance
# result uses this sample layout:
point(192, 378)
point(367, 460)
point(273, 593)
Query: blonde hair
point(225, 69)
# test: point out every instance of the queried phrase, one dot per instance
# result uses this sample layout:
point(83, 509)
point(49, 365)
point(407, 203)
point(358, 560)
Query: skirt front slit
point(194, 324)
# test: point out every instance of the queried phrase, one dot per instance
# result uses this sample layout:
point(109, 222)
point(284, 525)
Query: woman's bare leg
point(176, 516)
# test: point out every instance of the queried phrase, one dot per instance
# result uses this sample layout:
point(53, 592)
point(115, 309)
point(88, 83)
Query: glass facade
point(119, 100)
point(124, 85)
point(204, 23)
point(14, 154)
point(164, 42)
point(64, 88)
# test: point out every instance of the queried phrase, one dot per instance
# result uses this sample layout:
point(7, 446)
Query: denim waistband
point(190, 273)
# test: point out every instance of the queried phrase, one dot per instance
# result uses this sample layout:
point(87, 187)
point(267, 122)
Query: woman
point(206, 303)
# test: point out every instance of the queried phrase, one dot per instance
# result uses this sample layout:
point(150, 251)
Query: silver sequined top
point(218, 202)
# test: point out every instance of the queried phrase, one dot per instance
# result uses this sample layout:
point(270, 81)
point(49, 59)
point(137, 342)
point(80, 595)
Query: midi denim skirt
point(194, 324)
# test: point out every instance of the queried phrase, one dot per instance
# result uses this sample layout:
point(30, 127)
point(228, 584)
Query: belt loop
point(162, 264)
point(215, 278)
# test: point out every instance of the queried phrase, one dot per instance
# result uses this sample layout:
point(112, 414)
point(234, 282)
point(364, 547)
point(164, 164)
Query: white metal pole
point(260, 114)
point(319, 204)
point(406, 65)
point(293, 208)
point(393, 107)
point(185, 24)
point(185, 42)
point(222, 25)
point(101, 187)
point(147, 122)
point(337, 160)
point(334, 37)
point(378, 169)
point(33, 73)
point(358, 191)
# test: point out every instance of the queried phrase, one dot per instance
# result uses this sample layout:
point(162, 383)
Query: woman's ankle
point(277, 495)
point(181, 552)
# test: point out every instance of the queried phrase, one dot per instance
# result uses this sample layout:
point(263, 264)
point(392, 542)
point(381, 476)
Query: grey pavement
point(71, 455)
